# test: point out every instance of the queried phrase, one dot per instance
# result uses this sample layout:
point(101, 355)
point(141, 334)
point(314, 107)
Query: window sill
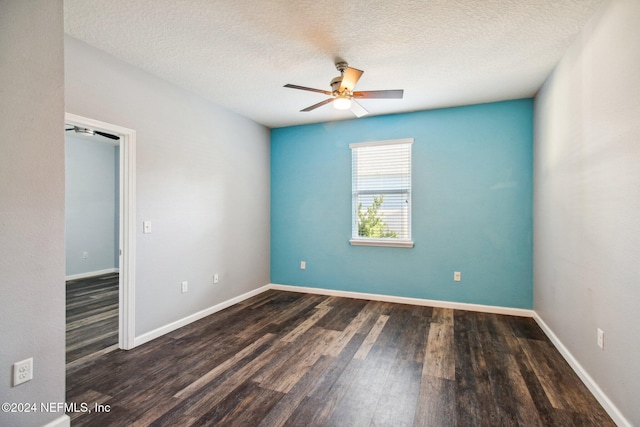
point(382, 242)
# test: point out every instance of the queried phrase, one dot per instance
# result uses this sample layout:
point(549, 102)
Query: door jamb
point(127, 232)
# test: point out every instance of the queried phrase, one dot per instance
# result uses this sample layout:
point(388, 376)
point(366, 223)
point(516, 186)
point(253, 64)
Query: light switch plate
point(600, 339)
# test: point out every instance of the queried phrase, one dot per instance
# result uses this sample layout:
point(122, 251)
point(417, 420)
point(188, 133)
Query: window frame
point(385, 241)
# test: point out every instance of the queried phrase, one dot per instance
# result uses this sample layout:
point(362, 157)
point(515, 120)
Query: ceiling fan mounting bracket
point(341, 66)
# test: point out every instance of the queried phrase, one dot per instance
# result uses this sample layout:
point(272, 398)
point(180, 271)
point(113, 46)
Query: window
point(381, 189)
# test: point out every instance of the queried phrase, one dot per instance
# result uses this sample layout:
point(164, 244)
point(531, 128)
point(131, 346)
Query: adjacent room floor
point(92, 316)
point(294, 359)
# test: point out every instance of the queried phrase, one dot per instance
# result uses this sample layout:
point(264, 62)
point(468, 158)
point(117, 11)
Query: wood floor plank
point(548, 414)
point(487, 406)
point(283, 317)
point(364, 391)
point(286, 406)
point(466, 396)
point(371, 338)
point(396, 405)
point(397, 324)
point(324, 407)
point(202, 381)
point(294, 363)
point(344, 310)
point(349, 331)
point(439, 354)
point(246, 407)
point(526, 410)
point(234, 381)
point(304, 304)
point(204, 399)
point(563, 389)
point(292, 359)
point(307, 324)
point(436, 403)
point(414, 334)
point(317, 405)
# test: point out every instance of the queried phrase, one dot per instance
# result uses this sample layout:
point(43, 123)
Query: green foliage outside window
point(371, 224)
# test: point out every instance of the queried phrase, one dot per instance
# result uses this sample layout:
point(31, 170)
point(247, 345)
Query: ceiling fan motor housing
point(335, 84)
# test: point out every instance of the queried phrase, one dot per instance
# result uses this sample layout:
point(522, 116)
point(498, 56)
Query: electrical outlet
point(85, 255)
point(22, 371)
point(185, 287)
point(457, 276)
point(303, 265)
point(216, 278)
point(600, 340)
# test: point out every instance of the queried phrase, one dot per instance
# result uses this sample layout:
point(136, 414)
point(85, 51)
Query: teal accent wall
point(472, 206)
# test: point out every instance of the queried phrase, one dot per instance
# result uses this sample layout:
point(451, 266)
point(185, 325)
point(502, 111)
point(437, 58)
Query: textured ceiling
point(240, 53)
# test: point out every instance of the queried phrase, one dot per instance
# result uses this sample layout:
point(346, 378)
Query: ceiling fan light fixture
point(85, 131)
point(342, 103)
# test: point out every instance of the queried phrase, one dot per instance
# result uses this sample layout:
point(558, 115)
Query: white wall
point(32, 306)
point(91, 207)
point(202, 180)
point(587, 199)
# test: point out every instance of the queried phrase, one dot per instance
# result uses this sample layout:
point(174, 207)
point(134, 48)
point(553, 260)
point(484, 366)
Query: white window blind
point(381, 190)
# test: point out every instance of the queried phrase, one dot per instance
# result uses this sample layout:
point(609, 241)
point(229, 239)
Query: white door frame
point(127, 232)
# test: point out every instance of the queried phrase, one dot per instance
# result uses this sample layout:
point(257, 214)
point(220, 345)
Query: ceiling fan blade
point(387, 94)
point(358, 109)
point(326, 92)
point(107, 135)
point(349, 79)
point(319, 104)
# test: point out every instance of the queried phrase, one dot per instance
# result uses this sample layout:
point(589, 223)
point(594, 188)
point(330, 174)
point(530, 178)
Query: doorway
point(114, 284)
point(92, 217)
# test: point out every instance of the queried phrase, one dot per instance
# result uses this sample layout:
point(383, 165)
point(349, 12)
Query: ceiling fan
point(342, 94)
point(86, 131)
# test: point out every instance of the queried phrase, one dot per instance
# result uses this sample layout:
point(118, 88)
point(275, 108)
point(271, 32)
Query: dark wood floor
point(292, 359)
point(92, 315)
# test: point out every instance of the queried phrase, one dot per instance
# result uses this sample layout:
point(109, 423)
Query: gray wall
point(587, 199)
point(91, 169)
point(32, 316)
point(202, 180)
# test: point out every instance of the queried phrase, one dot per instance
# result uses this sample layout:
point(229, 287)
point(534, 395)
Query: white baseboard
point(593, 387)
point(63, 421)
point(146, 337)
point(195, 316)
point(91, 274)
point(407, 300)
